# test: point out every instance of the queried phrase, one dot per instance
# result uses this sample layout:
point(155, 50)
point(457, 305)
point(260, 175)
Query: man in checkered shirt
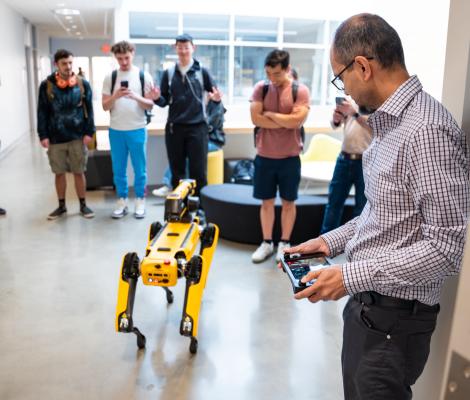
point(410, 236)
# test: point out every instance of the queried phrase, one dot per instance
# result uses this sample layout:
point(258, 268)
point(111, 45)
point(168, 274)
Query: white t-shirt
point(126, 113)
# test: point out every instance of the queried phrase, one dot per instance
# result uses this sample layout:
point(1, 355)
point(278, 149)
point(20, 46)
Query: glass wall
point(234, 47)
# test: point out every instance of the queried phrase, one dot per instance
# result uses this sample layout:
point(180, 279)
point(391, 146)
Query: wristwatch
point(356, 115)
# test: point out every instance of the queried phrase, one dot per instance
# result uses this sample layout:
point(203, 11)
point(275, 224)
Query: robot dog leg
point(130, 272)
point(196, 276)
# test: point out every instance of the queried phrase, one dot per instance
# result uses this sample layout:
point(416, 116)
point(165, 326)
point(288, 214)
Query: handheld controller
point(297, 265)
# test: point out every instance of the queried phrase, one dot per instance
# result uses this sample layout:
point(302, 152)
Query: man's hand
point(328, 286)
point(87, 140)
point(317, 245)
point(45, 143)
point(215, 95)
point(337, 118)
point(154, 93)
point(121, 92)
point(346, 109)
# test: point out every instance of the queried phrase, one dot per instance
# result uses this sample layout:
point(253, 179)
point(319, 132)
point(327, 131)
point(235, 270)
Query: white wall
point(13, 88)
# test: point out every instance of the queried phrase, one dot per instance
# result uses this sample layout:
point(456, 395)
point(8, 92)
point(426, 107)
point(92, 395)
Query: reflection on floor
point(58, 292)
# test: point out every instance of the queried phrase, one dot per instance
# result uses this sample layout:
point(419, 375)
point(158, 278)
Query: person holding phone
point(122, 96)
point(357, 136)
point(410, 236)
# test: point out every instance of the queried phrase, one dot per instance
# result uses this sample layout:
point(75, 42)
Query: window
point(249, 69)
point(149, 25)
point(303, 31)
point(259, 29)
point(308, 63)
point(154, 58)
point(207, 27)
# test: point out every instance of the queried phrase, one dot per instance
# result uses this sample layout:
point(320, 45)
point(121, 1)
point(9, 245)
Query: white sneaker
point(262, 252)
point(121, 209)
point(139, 212)
point(280, 250)
point(161, 192)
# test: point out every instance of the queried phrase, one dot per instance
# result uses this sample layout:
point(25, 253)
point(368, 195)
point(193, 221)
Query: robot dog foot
point(141, 340)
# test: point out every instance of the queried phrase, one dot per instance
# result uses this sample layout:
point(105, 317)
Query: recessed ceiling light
point(78, 33)
point(68, 18)
point(66, 11)
point(74, 26)
point(67, 29)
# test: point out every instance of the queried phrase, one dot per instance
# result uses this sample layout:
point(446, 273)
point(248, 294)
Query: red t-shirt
point(281, 142)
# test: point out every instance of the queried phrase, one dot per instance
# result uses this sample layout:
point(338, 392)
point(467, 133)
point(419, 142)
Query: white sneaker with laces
point(280, 250)
point(139, 208)
point(161, 192)
point(262, 252)
point(121, 209)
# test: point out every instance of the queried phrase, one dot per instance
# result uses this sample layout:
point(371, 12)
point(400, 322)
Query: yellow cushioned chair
point(322, 148)
point(215, 167)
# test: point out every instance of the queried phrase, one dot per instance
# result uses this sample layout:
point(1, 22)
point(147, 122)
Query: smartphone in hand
point(339, 100)
point(125, 84)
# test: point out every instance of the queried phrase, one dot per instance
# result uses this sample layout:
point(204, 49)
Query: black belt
point(349, 156)
point(370, 298)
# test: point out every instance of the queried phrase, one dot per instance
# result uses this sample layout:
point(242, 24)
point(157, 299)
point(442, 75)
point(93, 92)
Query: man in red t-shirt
point(278, 145)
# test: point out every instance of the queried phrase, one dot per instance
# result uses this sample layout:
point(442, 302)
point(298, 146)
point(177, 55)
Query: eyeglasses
point(337, 81)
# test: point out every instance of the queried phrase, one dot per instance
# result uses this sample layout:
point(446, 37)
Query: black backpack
point(243, 172)
point(215, 122)
point(295, 89)
point(148, 114)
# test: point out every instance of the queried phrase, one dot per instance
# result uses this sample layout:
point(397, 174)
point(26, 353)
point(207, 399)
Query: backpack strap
point(49, 90)
point(265, 89)
point(148, 114)
point(113, 80)
point(81, 86)
point(142, 81)
point(295, 89)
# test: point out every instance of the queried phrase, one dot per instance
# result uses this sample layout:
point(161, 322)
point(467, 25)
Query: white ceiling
point(95, 19)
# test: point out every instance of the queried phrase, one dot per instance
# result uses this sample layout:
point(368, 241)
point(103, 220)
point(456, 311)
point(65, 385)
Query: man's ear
point(365, 69)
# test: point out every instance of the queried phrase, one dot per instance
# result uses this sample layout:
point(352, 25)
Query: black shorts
point(271, 173)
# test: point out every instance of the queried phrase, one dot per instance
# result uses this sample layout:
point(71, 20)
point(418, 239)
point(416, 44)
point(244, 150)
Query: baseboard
point(7, 150)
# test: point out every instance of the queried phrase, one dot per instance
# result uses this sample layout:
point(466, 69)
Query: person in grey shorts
point(65, 128)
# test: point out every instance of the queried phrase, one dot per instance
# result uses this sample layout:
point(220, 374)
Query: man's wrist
point(356, 115)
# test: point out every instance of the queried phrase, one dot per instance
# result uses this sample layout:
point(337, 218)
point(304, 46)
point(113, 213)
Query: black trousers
point(384, 349)
point(187, 142)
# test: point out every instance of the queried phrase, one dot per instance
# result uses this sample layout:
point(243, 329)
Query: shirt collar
point(399, 100)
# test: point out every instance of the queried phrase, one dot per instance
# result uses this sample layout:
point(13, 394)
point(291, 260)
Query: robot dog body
point(169, 256)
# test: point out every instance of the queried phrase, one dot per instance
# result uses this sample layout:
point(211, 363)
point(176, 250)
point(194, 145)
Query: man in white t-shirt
point(123, 96)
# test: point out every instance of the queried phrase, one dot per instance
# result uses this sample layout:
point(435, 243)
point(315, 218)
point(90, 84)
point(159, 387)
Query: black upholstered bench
point(233, 208)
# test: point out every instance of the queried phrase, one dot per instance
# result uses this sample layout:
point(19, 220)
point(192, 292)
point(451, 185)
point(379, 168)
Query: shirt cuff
point(334, 241)
point(357, 277)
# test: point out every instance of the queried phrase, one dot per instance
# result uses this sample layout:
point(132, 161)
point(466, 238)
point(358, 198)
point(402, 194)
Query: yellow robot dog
point(169, 256)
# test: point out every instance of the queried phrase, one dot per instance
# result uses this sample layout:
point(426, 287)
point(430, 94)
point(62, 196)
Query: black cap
point(184, 38)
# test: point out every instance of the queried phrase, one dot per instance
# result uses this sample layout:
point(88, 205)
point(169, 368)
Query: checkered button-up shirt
point(411, 233)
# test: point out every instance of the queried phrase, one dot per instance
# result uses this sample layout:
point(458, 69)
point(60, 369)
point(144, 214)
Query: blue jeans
point(123, 144)
point(167, 175)
point(346, 174)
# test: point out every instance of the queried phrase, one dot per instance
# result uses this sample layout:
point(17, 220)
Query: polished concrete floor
point(58, 289)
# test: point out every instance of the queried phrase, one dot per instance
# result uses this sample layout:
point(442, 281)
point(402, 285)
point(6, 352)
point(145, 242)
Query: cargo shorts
point(68, 157)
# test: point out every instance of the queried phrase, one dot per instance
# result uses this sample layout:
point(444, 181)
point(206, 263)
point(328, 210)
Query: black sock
point(285, 241)
point(61, 203)
point(268, 241)
point(82, 203)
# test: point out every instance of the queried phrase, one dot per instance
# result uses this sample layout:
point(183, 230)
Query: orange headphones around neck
point(63, 83)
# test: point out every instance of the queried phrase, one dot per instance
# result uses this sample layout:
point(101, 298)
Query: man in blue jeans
point(348, 169)
point(127, 133)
